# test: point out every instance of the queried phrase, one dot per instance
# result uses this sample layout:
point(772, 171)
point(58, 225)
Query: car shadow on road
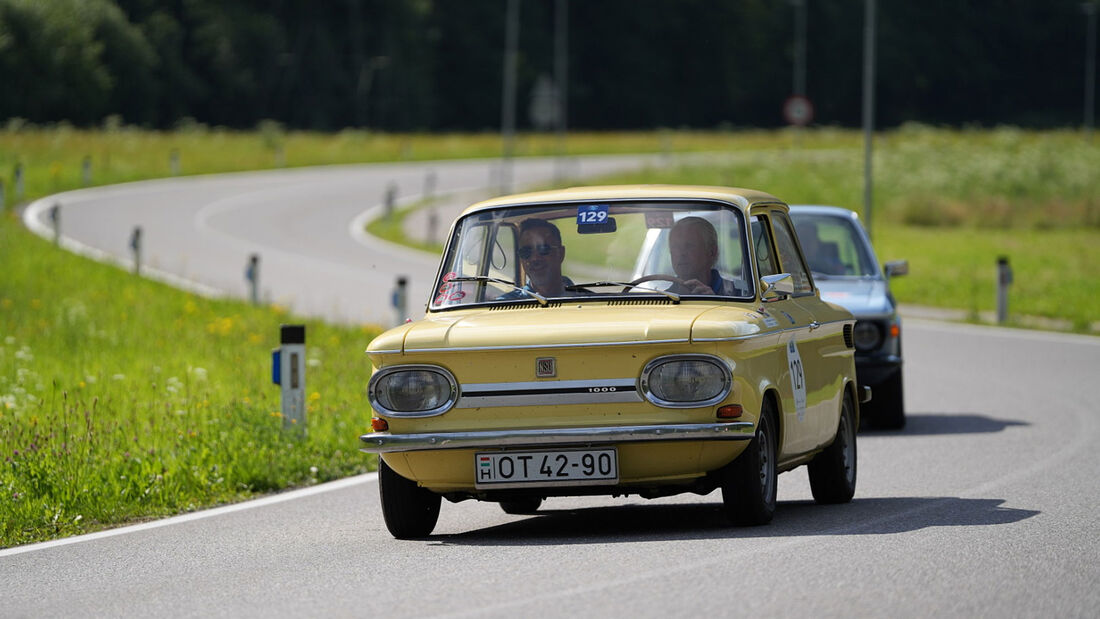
point(917, 424)
point(639, 522)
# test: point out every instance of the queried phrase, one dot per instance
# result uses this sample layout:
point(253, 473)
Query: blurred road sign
point(798, 110)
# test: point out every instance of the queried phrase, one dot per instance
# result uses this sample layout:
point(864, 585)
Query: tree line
point(436, 65)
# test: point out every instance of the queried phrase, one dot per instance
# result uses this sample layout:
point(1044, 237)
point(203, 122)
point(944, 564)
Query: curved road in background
point(984, 505)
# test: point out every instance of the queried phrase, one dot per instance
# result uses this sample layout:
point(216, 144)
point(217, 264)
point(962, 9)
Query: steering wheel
point(655, 277)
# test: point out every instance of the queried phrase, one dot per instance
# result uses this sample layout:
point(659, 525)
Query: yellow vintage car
point(628, 340)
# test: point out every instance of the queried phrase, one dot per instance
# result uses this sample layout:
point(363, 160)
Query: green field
point(952, 203)
point(123, 399)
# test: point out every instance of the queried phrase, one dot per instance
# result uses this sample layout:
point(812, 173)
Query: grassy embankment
point(122, 399)
point(950, 202)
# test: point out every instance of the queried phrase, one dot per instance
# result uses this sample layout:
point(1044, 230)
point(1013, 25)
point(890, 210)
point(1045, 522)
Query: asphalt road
point(983, 506)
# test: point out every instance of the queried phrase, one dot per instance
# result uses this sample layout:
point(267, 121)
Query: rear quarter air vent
point(848, 340)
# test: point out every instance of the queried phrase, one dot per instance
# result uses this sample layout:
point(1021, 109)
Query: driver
point(541, 253)
point(823, 257)
point(693, 247)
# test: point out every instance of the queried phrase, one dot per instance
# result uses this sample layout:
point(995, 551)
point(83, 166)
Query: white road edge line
point(331, 486)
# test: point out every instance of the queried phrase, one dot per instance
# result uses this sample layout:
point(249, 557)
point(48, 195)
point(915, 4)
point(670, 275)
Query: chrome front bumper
point(384, 442)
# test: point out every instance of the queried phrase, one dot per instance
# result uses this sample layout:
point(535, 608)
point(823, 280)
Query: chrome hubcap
point(847, 446)
point(764, 446)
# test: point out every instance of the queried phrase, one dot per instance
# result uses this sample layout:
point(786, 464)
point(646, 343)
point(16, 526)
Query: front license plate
point(575, 467)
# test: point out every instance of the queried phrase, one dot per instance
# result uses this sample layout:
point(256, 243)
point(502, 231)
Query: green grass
point(951, 203)
point(122, 399)
point(1054, 272)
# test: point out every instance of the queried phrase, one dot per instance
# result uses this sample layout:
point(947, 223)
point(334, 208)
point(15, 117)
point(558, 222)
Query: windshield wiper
point(672, 295)
point(485, 278)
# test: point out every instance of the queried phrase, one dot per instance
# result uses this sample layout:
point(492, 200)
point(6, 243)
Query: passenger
point(541, 253)
point(693, 247)
point(823, 257)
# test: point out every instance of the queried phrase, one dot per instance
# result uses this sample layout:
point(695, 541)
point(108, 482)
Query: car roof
point(820, 209)
point(742, 198)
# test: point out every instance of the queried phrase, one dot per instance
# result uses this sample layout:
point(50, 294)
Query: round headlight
point(867, 336)
point(412, 390)
point(686, 381)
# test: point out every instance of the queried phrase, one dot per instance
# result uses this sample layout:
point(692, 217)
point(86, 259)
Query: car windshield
point(586, 251)
point(833, 246)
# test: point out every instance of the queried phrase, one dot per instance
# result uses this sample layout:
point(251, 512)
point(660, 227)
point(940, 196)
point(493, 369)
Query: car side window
point(789, 256)
point(766, 263)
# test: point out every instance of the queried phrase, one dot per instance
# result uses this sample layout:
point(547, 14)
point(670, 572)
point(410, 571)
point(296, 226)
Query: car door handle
point(815, 324)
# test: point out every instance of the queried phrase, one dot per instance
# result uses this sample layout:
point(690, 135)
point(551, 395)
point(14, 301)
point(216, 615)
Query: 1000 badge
point(575, 467)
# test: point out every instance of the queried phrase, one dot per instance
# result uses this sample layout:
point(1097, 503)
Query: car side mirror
point(776, 287)
point(895, 268)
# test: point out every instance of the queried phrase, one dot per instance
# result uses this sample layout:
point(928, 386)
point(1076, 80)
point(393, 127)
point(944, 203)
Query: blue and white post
point(288, 370)
point(400, 299)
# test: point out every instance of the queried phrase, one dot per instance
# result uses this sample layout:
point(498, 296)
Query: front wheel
point(749, 482)
point(833, 471)
point(410, 511)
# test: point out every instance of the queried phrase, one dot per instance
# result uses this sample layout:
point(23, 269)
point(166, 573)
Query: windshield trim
point(740, 210)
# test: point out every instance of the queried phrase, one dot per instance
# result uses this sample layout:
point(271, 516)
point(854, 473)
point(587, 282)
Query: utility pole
point(508, 97)
point(868, 105)
point(799, 85)
point(561, 76)
point(1090, 67)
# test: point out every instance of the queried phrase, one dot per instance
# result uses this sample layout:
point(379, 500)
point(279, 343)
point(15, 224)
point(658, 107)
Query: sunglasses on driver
point(527, 251)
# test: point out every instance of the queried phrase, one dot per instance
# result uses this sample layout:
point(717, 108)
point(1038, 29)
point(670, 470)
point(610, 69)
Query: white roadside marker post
point(1004, 280)
point(252, 276)
point(135, 247)
point(288, 370)
point(55, 219)
point(400, 295)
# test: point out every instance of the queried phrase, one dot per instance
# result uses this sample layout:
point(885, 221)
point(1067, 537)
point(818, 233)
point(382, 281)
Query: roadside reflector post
point(18, 182)
point(174, 161)
point(400, 296)
point(391, 198)
point(55, 219)
point(288, 370)
point(252, 276)
point(135, 247)
point(433, 224)
point(429, 185)
point(1004, 280)
point(86, 170)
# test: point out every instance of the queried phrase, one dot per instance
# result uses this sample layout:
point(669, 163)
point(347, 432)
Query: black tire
point(522, 505)
point(888, 403)
point(833, 471)
point(749, 482)
point(409, 510)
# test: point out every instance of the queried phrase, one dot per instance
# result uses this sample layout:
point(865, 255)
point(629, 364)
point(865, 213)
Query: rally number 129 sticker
point(798, 379)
